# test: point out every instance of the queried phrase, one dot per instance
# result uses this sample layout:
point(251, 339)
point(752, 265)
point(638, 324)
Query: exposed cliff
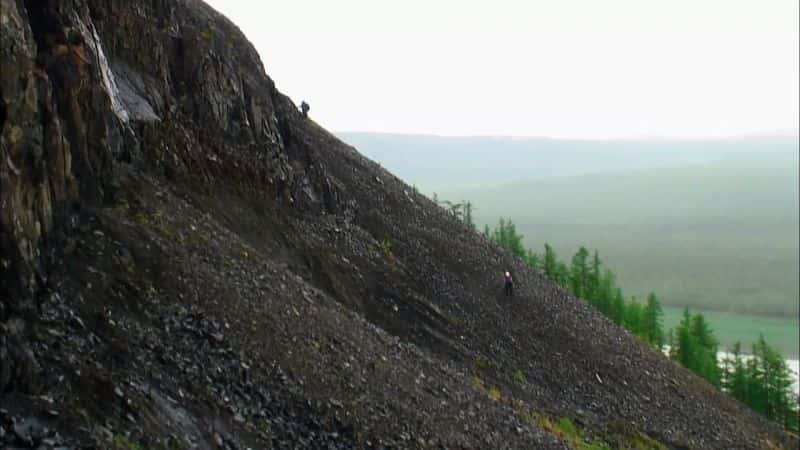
point(186, 261)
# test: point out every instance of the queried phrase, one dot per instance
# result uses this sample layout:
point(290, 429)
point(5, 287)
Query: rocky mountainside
point(187, 262)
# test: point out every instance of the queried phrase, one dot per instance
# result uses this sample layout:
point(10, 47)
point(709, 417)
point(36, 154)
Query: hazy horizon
point(777, 133)
point(576, 69)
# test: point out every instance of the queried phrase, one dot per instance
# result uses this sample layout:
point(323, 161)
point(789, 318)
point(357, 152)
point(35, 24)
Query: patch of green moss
point(629, 437)
point(122, 442)
point(579, 439)
point(385, 246)
point(207, 34)
point(482, 363)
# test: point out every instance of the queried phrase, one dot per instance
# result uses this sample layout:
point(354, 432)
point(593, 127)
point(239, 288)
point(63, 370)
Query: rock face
point(188, 262)
point(82, 88)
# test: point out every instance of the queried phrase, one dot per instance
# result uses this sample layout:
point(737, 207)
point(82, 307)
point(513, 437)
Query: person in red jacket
point(509, 284)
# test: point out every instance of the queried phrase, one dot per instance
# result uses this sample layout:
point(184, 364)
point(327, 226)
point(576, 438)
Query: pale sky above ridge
point(567, 68)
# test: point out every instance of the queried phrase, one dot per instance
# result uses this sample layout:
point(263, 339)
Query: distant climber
point(304, 108)
point(509, 284)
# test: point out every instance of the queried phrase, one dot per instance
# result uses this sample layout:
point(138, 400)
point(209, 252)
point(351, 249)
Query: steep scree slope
point(188, 263)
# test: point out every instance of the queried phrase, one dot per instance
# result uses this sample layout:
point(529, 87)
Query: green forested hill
point(707, 224)
point(720, 236)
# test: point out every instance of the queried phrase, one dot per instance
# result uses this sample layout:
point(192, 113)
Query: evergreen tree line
point(762, 380)
point(588, 279)
point(462, 210)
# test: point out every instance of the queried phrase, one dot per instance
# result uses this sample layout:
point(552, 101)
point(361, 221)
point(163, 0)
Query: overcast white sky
point(559, 68)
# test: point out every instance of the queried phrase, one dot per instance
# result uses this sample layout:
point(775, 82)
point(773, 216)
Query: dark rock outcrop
point(167, 85)
point(82, 88)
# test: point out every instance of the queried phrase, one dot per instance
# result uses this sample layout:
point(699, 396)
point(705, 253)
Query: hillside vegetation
point(763, 379)
point(721, 236)
point(729, 328)
point(707, 224)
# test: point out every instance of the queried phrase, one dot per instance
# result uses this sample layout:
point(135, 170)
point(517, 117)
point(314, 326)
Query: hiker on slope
point(508, 284)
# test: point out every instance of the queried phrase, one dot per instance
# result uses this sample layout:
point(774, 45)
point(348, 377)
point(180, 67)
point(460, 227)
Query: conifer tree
point(604, 294)
point(468, 209)
point(562, 275)
point(651, 322)
point(705, 361)
point(534, 260)
point(734, 379)
point(515, 240)
point(550, 262)
point(579, 273)
point(505, 235)
point(593, 281)
point(778, 400)
point(703, 334)
point(696, 348)
point(684, 347)
point(633, 317)
point(618, 307)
